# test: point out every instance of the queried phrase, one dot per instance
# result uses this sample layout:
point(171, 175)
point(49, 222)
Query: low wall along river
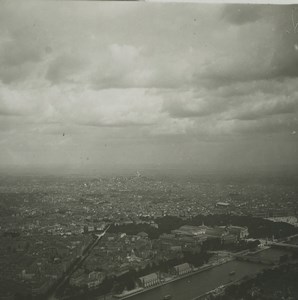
point(197, 284)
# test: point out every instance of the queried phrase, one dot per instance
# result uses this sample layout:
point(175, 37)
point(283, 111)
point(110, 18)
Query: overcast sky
point(90, 83)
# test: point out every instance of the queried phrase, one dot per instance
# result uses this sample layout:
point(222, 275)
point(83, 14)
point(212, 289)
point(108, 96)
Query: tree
point(117, 288)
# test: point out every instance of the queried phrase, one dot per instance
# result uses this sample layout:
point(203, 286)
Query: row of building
point(155, 278)
point(201, 233)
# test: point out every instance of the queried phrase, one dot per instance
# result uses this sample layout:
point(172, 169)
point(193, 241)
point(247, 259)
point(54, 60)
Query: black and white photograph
point(148, 150)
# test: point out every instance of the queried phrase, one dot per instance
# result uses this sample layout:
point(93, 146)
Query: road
point(74, 267)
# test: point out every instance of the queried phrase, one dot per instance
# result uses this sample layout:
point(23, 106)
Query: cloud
point(127, 66)
point(105, 72)
point(17, 58)
point(14, 103)
point(240, 14)
point(21, 45)
point(121, 124)
point(119, 66)
point(102, 108)
point(263, 109)
point(191, 104)
point(172, 127)
point(285, 56)
point(64, 68)
point(267, 126)
point(263, 49)
point(241, 107)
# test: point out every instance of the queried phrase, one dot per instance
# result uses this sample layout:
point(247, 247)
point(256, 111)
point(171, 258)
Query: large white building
point(149, 280)
point(190, 230)
point(182, 269)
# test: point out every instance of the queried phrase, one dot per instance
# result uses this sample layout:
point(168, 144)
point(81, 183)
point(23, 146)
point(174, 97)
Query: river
point(188, 288)
point(197, 284)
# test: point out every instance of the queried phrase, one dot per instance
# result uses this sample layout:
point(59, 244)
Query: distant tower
point(138, 174)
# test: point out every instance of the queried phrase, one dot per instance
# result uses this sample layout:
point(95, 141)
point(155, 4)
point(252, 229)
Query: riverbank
point(200, 282)
point(172, 279)
point(222, 288)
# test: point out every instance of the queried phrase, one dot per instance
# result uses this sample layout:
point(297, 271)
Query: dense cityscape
point(71, 236)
